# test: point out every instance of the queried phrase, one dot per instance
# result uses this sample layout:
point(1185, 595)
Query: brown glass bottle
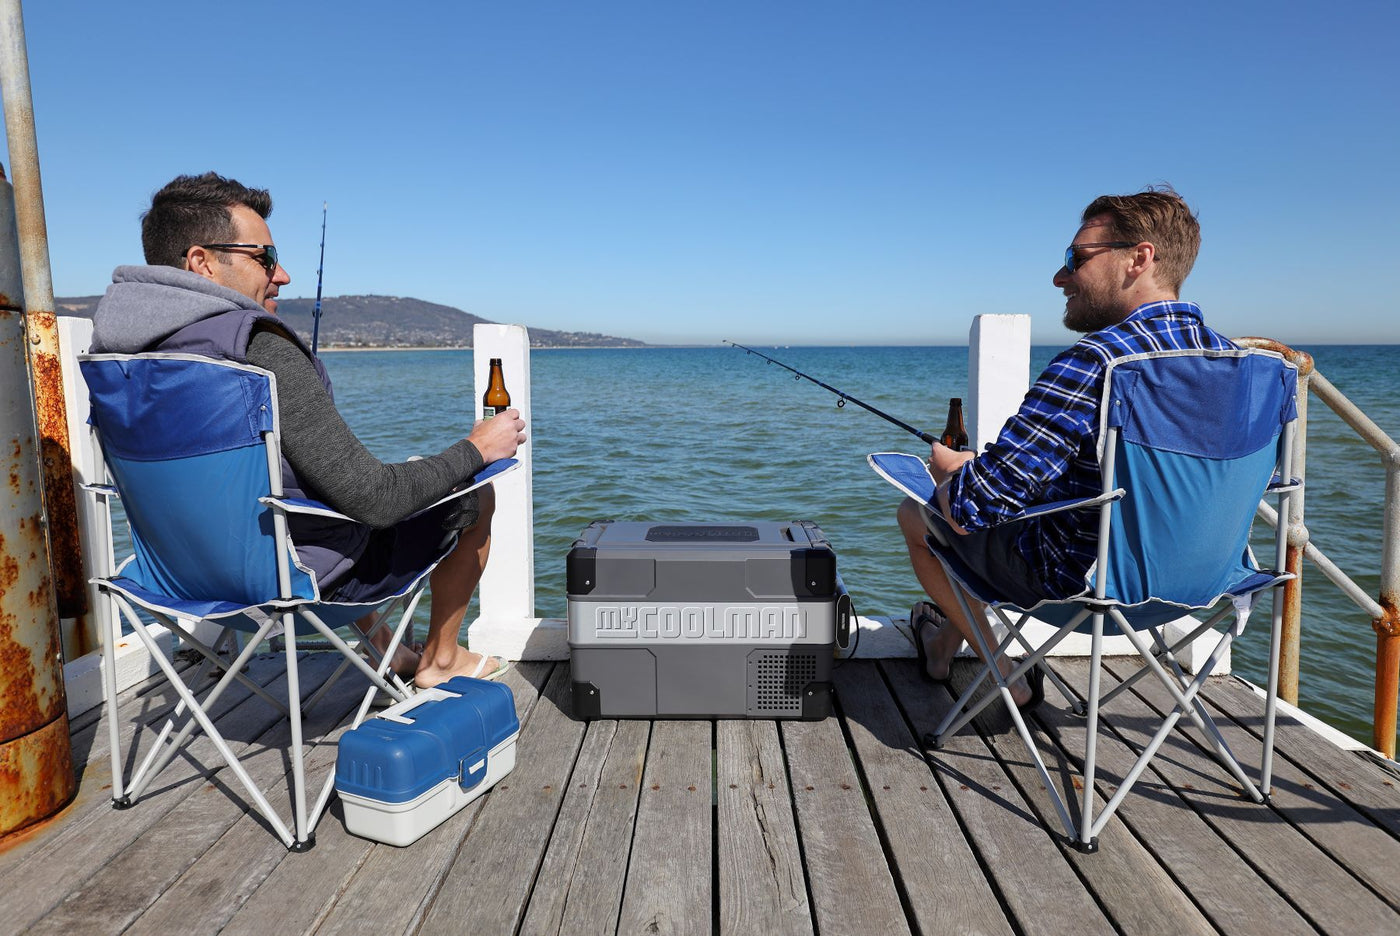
point(497, 398)
point(955, 432)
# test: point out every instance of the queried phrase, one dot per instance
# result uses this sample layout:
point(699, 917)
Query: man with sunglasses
point(210, 288)
point(1121, 279)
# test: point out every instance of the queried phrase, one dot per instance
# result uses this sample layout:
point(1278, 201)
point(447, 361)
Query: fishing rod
point(320, 265)
point(844, 397)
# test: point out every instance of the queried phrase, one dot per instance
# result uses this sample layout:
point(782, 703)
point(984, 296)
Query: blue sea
point(714, 434)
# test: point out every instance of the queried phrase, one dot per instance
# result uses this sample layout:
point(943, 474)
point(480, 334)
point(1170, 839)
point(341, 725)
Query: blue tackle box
point(403, 772)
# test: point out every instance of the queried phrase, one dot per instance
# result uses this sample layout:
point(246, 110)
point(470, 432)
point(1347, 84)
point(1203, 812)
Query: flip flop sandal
point(921, 615)
point(502, 664)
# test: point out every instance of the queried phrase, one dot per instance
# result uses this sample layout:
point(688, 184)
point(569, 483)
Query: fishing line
point(843, 397)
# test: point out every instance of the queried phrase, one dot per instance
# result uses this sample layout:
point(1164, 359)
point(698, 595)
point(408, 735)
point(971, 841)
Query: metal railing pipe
point(41, 325)
point(1359, 596)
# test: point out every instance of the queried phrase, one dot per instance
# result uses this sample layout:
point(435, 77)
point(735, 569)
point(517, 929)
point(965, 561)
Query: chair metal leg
point(1187, 701)
point(289, 634)
point(1085, 839)
point(259, 801)
point(109, 668)
point(1266, 765)
point(163, 751)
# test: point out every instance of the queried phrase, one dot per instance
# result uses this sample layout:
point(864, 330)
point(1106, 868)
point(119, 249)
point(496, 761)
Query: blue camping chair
point(193, 447)
point(1189, 441)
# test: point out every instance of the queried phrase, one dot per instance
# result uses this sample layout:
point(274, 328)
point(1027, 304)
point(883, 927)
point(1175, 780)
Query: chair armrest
point(1278, 486)
point(299, 505)
point(485, 476)
point(313, 508)
point(1040, 510)
point(910, 474)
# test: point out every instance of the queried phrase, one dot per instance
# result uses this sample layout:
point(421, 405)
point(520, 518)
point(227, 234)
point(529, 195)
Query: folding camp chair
point(193, 447)
point(1189, 441)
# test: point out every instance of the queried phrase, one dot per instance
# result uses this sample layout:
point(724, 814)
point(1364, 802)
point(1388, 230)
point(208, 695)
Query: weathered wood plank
point(89, 744)
point(487, 885)
point(1131, 887)
point(938, 873)
point(1329, 820)
point(1371, 788)
point(133, 880)
point(579, 887)
point(1329, 896)
point(383, 889)
point(761, 884)
point(669, 874)
point(35, 886)
point(216, 883)
point(1226, 888)
point(1028, 870)
point(848, 875)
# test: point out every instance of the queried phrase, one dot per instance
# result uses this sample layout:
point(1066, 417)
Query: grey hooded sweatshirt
point(158, 308)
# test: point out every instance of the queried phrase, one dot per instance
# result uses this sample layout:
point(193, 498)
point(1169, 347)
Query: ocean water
point(716, 434)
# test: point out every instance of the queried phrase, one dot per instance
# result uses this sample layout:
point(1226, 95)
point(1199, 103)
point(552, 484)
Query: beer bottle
point(955, 432)
point(497, 399)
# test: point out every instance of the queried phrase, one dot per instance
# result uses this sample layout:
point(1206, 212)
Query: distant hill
point(391, 322)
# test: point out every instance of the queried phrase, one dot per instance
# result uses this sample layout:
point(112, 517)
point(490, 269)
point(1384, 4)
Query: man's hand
point(943, 463)
point(499, 436)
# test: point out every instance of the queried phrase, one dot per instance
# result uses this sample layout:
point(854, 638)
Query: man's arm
point(943, 463)
point(1035, 449)
point(334, 464)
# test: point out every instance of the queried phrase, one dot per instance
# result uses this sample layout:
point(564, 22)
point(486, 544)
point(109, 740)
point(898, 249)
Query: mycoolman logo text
point(682, 622)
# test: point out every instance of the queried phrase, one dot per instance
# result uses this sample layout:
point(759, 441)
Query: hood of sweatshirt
point(147, 304)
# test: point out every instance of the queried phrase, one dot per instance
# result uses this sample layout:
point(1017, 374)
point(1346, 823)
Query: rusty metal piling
point(36, 770)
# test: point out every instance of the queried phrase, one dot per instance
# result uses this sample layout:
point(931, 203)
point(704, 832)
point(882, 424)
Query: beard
point(1091, 315)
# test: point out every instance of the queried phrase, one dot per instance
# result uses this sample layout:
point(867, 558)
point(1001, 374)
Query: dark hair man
point(1121, 279)
point(211, 288)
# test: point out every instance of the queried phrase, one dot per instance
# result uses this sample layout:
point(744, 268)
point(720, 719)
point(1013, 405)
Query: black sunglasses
point(268, 257)
point(1072, 261)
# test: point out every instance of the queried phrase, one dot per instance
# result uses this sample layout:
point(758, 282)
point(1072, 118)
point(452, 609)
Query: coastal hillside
point(391, 322)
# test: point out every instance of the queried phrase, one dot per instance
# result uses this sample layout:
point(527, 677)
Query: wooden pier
point(737, 827)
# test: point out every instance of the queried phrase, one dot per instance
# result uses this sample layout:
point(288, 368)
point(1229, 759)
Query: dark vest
point(327, 547)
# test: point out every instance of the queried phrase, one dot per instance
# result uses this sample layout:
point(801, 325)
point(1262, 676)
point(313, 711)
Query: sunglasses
point(268, 257)
point(1072, 261)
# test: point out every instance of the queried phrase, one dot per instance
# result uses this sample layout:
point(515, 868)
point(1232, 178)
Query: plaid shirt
point(1048, 451)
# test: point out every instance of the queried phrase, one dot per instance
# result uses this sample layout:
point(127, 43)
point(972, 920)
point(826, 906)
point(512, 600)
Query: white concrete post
point(998, 373)
point(507, 625)
point(508, 587)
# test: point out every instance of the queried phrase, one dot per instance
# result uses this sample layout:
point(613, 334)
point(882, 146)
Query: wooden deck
point(832, 827)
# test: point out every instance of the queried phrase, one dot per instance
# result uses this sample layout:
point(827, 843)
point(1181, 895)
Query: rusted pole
point(1388, 625)
point(36, 768)
point(65, 554)
point(35, 754)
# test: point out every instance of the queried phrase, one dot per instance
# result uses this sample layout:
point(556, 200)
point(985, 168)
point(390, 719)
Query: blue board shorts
point(992, 555)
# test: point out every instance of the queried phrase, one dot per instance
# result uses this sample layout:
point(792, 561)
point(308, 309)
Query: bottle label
point(488, 411)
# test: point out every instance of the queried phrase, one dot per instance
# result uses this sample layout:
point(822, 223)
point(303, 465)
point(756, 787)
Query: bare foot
point(462, 662)
point(940, 646)
point(406, 658)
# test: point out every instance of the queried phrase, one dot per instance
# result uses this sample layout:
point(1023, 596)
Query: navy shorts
point(395, 556)
point(992, 555)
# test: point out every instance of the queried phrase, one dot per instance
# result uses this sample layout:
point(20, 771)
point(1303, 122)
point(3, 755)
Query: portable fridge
point(405, 771)
point(704, 620)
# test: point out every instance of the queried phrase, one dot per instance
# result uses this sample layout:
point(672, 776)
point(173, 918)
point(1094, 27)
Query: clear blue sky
point(785, 172)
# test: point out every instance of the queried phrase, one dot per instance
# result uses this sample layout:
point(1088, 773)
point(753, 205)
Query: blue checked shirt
point(1048, 450)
